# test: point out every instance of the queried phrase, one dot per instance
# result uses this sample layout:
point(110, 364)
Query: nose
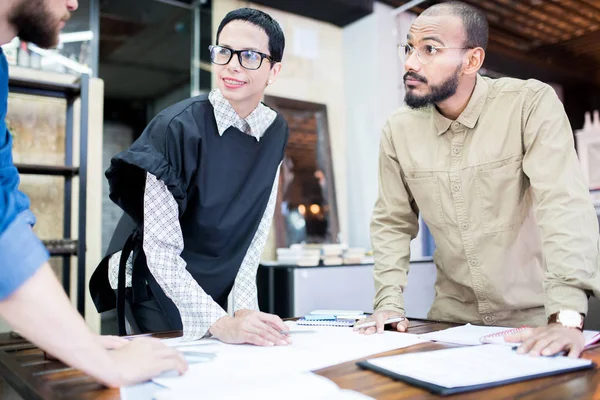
point(234, 64)
point(72, 5)
point(412, 63)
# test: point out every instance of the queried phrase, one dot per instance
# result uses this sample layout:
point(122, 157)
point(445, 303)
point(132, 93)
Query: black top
point(221, 184)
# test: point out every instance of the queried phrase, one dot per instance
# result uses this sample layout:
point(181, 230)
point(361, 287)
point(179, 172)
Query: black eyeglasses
point(248, 59)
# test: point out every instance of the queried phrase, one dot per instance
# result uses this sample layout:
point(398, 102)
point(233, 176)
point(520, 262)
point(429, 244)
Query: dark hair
point(474, 21)
point(263, 21)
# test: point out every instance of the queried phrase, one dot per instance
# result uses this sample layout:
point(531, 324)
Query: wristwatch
point(567, 318)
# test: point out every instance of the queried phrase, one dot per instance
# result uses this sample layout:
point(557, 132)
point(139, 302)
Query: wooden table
point(24, 367)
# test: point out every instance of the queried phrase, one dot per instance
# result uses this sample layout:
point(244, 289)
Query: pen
point(373, 323)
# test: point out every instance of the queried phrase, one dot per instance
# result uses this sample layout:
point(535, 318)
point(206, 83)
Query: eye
point(430, 50)
point(222, 51)
point(251, 56)
point(408, 49)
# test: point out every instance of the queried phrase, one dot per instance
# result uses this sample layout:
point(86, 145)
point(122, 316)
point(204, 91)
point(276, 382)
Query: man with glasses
point(491, 167)
point(199, 190)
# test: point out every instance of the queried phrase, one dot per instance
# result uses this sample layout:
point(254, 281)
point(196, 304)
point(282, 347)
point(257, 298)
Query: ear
point(474, 61)
point(273, 73)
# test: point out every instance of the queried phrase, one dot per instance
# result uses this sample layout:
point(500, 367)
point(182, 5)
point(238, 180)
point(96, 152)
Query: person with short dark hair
point(491, 167)
point(198, 189)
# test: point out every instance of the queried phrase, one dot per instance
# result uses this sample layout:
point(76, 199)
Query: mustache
point(414, 76)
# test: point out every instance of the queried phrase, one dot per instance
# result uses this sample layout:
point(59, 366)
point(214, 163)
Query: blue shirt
point(21, 252)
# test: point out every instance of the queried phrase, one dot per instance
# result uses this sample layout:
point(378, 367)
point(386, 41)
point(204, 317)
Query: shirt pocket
point(500, 191)
point(425, 189)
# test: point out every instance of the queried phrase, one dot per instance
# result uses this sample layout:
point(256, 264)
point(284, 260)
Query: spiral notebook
point(470, 335)
point(342, 322)
point(498, 337)
point(590, 337)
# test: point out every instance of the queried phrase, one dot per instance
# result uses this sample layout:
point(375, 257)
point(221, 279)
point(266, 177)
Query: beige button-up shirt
point(502, 192)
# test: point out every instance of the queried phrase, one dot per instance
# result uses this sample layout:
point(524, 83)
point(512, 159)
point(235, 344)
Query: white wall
point(351, 288)
point(374, 90)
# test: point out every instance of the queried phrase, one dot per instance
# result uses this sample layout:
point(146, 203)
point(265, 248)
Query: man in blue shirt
point(31, 299)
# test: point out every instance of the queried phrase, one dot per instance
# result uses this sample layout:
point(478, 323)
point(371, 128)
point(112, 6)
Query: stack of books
point(332, 254)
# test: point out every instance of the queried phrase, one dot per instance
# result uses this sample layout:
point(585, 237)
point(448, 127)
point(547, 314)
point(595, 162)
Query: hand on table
point(144, 358)
point(549, 340)
point(379, 317)
point(253, 327)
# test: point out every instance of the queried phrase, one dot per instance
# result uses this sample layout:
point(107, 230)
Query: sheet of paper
point(143, 391)
point(591, 337)
point(298, 386)
point(474, 365)
point(468, 334)
point(318, 348)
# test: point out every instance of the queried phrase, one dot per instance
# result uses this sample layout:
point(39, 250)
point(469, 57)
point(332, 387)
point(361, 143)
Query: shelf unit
point(65, 247)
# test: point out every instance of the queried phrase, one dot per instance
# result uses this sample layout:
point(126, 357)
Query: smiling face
point(439, 40)
point(241, 86)
point(40, 21)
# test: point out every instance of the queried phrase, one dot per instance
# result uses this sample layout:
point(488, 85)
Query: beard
point(36, 24)
point(437, 93)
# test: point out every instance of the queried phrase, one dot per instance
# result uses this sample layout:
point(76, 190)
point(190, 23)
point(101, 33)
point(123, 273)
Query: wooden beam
point(507, 16)
point(560, 70)
point(524, 8)
point(573, 12)
point(592, 5)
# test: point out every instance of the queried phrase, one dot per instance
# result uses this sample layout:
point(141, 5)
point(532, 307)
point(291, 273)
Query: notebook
point(471, 368)
point(498, 337)
point(468, 335)
point(471, 335)
point(343, 318)
point(591, 337)
point(326, 322)
point(342, 314)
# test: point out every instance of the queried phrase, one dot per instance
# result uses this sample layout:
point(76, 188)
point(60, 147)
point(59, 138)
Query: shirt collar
point(471, 113)
point(226, 116)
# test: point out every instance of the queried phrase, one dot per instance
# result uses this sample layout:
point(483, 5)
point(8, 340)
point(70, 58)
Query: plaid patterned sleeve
point(245, 295)
point(163, 244)
point(113, 270)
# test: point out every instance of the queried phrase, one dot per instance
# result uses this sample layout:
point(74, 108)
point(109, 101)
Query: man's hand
point(549, 340)
point(112, 342)
point(143, 359)
point(253, 327)
point(379, 317)
point(106, 341)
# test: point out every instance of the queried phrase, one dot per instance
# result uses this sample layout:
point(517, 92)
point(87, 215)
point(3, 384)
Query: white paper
point(143, 391)
point(322, 347)
point(591, 337)
point(300, 386)
point(468, 334)
point(474, 365)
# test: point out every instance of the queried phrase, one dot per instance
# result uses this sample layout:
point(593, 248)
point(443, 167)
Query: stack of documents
point(312, 348)
point(470, 368)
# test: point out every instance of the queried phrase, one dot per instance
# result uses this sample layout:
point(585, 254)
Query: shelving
point(65, 247)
